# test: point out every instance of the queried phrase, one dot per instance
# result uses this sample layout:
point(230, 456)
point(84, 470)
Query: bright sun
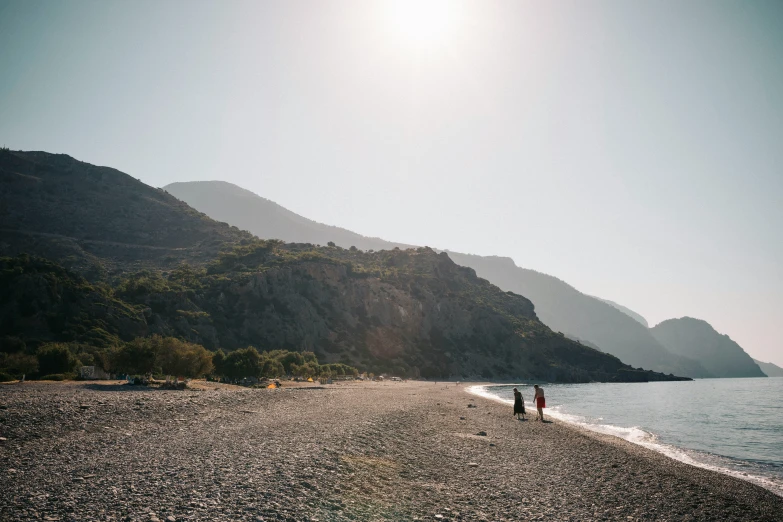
point(421, 24)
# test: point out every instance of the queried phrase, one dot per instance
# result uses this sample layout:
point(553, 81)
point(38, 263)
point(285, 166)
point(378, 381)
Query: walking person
point(540, 402)
point(519, 404)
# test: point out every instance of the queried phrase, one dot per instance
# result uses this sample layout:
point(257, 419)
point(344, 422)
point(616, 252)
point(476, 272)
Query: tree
point(219, 362)
point(245, 362)
point(10, 344)
point(137, 357)
point(177, 357)
point(272, 368)
point(18, 363)
point(308, 370)
point(288, 359)
point(55, 358)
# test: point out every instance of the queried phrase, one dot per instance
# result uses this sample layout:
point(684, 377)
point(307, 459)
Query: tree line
point(158, 355)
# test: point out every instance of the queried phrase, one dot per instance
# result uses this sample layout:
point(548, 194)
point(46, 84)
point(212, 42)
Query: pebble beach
point(347, 451)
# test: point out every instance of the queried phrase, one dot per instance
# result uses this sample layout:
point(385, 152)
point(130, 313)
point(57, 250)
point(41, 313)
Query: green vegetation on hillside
point(558, 305)
point(157, 355)
point(149, 265)
point(97, 220)
point(42, 302)
point(406, 312)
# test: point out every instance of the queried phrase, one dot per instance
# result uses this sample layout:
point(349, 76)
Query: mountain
point(41, 302)
point(771, 370)
point(96, 220)
point(557, 304)
point(698, 339)
point(161, 267)
point(627, 311)
point(565, 309)
point(266, 219)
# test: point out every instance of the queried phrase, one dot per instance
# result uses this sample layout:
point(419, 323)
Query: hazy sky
point(632, 149)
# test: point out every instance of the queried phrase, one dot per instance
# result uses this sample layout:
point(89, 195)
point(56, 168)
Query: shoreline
point(353, 451)
point(671, 451)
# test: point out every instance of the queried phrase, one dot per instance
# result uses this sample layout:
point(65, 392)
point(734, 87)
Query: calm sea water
point(733, 426)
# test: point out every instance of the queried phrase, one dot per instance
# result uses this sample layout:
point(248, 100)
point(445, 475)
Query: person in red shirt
point(540, 402)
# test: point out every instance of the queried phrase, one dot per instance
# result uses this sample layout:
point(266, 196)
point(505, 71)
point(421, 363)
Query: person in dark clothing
point(519, 404)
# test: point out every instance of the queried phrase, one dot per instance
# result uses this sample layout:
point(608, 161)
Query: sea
point(732, 426)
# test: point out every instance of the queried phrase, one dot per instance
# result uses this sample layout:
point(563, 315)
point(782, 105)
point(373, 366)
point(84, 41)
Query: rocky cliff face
point(558, 305)
point(410, 312)
point(695, 338)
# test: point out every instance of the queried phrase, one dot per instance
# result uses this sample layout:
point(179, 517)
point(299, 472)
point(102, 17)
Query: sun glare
point(421, 24)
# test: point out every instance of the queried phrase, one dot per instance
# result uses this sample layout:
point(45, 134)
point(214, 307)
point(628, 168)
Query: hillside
point(769, 369)
point(411, 312)
point(557, 304)
point(96, 219)
point(266, 219)
point(627, 311)
point(695, 338)
point(565, 309)
point(41, 302)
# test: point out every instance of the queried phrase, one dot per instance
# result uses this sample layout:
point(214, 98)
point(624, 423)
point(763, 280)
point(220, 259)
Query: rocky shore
point(353, 451)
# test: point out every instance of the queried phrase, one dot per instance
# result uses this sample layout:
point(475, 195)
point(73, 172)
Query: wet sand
point(353, 451)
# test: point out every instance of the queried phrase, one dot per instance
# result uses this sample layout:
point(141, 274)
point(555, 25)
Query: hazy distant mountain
point(772, 370)
point(565, 309)
point(698, 339)
point(627, 311)
point(558, 305)
point(266, 219)
point(409, 312)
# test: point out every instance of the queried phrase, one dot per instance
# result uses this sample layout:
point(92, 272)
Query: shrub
point(58, 377)
point(55, 358)
point(164, 356)
point(4, 377)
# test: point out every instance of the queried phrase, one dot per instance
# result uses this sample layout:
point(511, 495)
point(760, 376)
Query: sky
point(633, 149)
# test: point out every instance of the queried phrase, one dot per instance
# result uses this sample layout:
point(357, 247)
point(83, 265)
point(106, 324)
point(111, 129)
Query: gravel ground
point(354, 451)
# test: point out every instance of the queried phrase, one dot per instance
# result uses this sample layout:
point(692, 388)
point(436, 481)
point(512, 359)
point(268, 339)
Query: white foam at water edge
point(637, 436)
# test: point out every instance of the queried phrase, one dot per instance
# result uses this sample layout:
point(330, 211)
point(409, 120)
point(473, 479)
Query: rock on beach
point(357, 451)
